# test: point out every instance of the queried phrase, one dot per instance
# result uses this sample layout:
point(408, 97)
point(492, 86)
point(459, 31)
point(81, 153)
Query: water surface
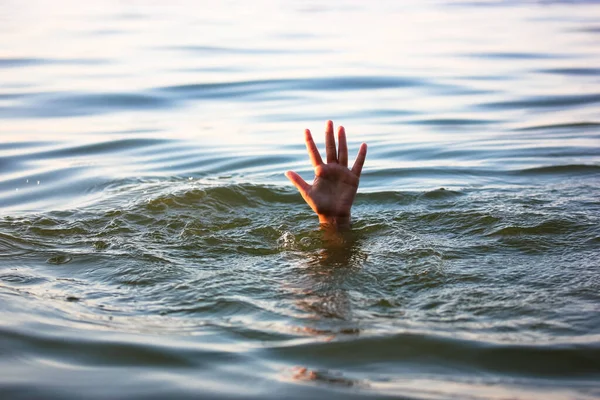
point(151, 247)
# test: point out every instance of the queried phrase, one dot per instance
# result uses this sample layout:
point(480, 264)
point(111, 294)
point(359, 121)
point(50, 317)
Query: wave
point(569, 169)
point(550, 101)
point(50, 105)
point(345, 83)
point(566, 126)
point(515, 55)
point(22, 62)
point(58, 105)
point(572, 71)
point(428, 351)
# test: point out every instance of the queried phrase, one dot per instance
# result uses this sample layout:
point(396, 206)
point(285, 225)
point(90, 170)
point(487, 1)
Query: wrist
point(338, 222)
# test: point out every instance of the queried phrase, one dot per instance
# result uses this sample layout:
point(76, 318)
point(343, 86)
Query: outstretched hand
point(333, 190)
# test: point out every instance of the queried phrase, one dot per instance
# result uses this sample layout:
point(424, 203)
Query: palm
point(332, 193)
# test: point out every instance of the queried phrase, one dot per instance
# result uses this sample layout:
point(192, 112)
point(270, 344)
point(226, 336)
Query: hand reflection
point(321, 285)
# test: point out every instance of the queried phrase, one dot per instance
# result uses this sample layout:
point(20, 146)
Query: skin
point(334, 188)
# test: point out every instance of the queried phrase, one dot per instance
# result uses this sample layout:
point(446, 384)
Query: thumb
point(297, 180)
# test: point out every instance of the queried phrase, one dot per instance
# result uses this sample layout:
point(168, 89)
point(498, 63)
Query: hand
point(332, 193)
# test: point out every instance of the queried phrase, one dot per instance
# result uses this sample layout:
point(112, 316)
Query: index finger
point(360, 160)
point(313, 152)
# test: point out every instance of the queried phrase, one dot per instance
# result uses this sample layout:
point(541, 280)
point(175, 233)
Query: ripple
point(90, 150)
point(515, 56)
point(546, 101)
point(41, 188)
point(55, 105)
point(571, 169)
point(59, 259)
point(99, 352)
point(346, 83)
point(216, 50)
point(450, 122)
point(548, 227)
point(552, 360)
point(12, 246)
point(32, 61)
point(572, 71)
point(151, 247)
point(579, 126)
point(21, 279)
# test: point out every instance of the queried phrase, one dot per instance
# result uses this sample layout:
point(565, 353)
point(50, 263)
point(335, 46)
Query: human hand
point(333, 190)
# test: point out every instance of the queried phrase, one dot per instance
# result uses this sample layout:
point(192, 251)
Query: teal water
point(151, 247)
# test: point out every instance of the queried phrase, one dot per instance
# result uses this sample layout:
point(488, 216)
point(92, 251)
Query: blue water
point(151, 246)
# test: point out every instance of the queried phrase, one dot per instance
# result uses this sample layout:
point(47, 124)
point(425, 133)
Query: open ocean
point(152, 248)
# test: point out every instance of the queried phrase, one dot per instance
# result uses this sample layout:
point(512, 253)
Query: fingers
point(313, 152)
point(330, 143)
point(297, 180)
point(343, 147)
point(360, 160)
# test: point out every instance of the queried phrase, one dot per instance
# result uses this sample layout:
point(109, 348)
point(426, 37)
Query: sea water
point(151, 246)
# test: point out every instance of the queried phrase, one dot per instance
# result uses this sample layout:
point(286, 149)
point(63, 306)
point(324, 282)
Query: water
point(151, 247)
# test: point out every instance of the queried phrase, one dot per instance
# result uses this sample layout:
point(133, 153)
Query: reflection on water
point(325, 276)
point(151, 247)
